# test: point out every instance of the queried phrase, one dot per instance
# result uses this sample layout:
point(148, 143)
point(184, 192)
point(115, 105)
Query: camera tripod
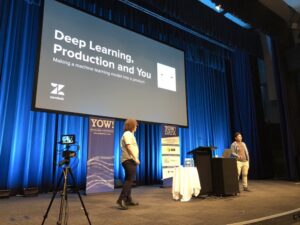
point(64, 208)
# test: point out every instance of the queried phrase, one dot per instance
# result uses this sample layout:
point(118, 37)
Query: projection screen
point(92, 67)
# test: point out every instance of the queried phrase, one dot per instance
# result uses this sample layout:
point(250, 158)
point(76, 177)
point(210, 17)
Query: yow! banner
point(170, 152)
point(100, 165)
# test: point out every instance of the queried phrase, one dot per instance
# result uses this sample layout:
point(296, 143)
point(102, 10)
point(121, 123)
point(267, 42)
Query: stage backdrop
point(28, 138)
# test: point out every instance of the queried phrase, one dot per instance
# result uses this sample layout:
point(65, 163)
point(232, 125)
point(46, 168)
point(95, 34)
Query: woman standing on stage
point(130, 160)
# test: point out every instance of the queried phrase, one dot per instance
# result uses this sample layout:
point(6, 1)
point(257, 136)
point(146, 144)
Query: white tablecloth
point(185, 183)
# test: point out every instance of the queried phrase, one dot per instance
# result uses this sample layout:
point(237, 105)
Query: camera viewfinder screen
point(67, 139)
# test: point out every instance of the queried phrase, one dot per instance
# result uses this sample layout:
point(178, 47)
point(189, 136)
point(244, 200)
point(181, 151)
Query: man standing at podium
point(240, 152)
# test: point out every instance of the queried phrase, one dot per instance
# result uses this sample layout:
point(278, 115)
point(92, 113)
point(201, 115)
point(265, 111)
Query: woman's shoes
point(132, 203)
point(122, 204)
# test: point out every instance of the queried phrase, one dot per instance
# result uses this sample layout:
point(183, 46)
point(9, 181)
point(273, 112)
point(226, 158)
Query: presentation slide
point(92, 67)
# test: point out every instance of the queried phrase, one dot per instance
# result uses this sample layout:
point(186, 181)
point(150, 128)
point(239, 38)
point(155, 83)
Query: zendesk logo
point(57, 89)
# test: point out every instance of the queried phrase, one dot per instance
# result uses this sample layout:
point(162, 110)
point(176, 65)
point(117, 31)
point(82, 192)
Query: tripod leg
point(77, 191)
point(63, 200)
point(52, 199)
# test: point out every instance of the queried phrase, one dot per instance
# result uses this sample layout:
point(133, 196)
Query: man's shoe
point(132, 203)
point(122, 204)
point(246, 189)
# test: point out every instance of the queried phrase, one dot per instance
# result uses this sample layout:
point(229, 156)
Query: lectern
point(203, 161)
point(225, 181)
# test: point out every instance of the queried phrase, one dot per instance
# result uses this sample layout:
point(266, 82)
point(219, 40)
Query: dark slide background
point(81, 89)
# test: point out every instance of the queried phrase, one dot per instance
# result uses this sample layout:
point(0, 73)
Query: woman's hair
point(236, 134)
point(130, 125)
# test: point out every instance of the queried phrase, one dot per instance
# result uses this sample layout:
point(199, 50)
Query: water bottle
point(189, 162)
point(192, 162)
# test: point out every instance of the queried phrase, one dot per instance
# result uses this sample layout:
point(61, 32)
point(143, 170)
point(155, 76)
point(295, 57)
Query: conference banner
point(100, 165)
point(170, 152)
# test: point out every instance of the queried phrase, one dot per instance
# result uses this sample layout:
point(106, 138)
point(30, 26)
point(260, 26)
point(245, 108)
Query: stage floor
point(157, 207)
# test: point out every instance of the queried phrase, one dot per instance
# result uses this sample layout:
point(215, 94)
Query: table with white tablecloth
point(186, 183)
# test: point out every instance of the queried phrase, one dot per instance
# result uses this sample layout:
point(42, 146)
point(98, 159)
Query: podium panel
point(225, 181)
point(203, 163)
point(202, 159)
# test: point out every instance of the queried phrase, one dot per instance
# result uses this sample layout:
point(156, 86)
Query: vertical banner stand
point(170, 153)
point(100, 165)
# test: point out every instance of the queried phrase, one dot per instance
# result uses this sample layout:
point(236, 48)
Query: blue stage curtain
point(208, 108)
point(28, 140)
point(29, 152)
point(289, 122)
point(244, 108)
